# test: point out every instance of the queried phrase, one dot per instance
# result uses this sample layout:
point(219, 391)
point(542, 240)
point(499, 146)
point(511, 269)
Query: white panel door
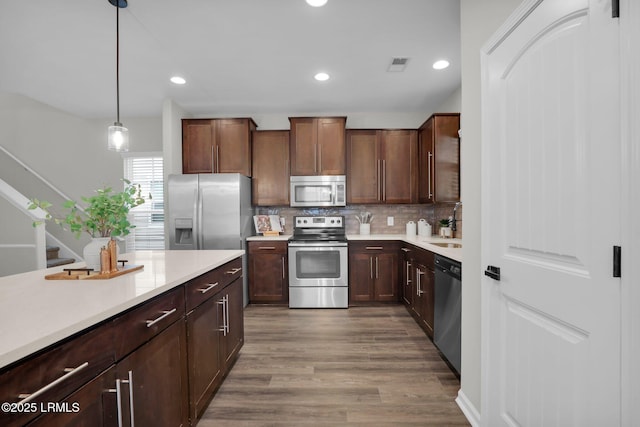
point(551, 197)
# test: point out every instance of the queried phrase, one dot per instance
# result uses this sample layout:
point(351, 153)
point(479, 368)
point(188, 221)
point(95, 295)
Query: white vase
point(91, 252)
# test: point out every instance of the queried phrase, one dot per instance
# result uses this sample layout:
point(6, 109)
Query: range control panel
point(319, 221)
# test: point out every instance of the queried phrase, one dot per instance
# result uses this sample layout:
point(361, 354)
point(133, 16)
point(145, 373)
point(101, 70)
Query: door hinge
point(617, 255)
point(615, 8)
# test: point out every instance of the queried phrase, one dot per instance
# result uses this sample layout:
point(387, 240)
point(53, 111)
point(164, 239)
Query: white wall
point(453, 104)
point(479, 20)
point(355, 120)
point(69, 151)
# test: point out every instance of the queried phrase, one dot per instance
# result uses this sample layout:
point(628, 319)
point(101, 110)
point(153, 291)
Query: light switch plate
point(389, 220)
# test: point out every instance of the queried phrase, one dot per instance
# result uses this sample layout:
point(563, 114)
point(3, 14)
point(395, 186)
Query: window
point(146, 169)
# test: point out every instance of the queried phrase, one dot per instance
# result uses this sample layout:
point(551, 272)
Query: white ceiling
point(238, 56)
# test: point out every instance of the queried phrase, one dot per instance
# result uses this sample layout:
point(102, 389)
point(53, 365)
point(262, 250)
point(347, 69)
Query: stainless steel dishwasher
point(448, 308)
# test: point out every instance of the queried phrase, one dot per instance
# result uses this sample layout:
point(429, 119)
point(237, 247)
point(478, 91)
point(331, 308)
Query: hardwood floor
point(368, 366)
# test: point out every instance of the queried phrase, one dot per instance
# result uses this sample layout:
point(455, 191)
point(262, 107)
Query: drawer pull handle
point(233, 271)
point(374, 248)
point(405, 250)
point(165, 314)
point(267, 248)
point(208, 288)
point(69, 372)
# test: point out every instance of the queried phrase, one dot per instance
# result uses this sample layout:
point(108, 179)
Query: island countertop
point(35, 312)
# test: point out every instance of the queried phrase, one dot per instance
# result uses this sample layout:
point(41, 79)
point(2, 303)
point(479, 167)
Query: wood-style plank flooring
point(365, 366)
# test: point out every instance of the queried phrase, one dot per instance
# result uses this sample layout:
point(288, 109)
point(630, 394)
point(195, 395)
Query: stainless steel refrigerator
point(210, 211)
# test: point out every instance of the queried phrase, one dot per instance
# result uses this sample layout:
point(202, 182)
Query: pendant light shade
point(118, 138)
point(118, 135)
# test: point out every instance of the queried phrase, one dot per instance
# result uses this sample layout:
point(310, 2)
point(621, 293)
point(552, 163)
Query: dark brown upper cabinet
point(439, 159)
point(270, 178)
point(317, 145)
point(382, 166)
point(217, 145)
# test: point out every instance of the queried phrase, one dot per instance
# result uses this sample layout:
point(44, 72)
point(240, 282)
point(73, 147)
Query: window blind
point(148, 218)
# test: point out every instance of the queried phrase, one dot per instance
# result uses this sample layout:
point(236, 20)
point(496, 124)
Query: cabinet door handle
point(405, 250)
point(213, 159)
point(408, 273)
point(419, 291)
point(315, 158)
point(374, 248)
point(371, 267)
point(227, 312)
point(217, 158)
point(377, 270)
point(283, 269)
point(27, 397)
point(208, 288)
point(267, 248)
point(429, 174)
point(223, 303)
point(130, 382)
point(233, 270)
point(384, 180)
point(118, 401)
point(319, 157)
point(378, 173)
point(165, 314)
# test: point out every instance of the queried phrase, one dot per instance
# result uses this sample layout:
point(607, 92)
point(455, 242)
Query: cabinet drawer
point(273, 247)
point(202, 288)
point(54, 374)
point(139, 325)
point(372, 246)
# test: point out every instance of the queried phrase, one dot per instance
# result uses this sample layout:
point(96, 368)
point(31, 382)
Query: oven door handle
point(318, 245)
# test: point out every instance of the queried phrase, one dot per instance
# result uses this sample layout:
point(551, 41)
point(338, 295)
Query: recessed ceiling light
point(321, 77)
point(177, 80)
point(441, 64)
point(316, 3)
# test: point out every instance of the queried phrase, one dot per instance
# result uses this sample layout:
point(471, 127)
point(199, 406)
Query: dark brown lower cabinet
point(268, 278)
point(151, 365)
point(215, 332)
point(373, 272)
point(154, 380)
point(205, 368)
point(95, 404)
point(419, 278)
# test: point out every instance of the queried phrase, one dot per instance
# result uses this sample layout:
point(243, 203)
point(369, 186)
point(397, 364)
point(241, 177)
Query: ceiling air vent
point(398, 64)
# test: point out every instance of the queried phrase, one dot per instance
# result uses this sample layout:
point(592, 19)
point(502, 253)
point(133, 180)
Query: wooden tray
point(85, 274)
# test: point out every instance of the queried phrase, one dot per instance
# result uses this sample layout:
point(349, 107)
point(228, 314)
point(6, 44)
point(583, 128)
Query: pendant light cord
point(118, 64)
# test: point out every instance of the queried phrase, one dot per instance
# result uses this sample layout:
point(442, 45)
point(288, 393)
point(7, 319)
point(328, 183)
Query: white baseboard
point(468, 409)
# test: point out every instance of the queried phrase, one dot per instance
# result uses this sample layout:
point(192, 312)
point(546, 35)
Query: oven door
point(318, 264)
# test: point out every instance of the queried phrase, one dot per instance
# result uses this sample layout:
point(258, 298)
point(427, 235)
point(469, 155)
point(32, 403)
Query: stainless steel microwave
point(318, 191)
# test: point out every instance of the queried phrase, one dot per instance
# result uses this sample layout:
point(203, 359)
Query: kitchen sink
point(448, 245)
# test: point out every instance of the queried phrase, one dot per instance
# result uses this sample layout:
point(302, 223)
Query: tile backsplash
point(401, 215)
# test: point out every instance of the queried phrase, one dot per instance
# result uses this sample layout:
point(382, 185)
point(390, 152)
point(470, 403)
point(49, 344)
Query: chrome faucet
point(453, 220)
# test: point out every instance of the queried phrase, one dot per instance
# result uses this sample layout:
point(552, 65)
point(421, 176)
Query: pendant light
point(118, 135)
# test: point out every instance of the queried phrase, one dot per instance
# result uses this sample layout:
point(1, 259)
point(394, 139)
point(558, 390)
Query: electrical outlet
point(389, 220)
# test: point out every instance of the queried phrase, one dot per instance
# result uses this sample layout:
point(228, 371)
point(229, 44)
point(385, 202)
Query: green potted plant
point(445, 229)
point(105, 216)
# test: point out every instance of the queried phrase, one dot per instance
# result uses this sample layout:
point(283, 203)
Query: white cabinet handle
point(27, 397)
point(165, 314)
point(208, 288)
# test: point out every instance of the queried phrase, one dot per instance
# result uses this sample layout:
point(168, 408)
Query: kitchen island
point(85, 336)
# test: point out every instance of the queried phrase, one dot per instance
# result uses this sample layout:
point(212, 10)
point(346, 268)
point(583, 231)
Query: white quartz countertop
point(35, 313)
point(424, 242)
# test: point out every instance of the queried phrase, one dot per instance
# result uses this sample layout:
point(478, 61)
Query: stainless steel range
point(318, 257)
